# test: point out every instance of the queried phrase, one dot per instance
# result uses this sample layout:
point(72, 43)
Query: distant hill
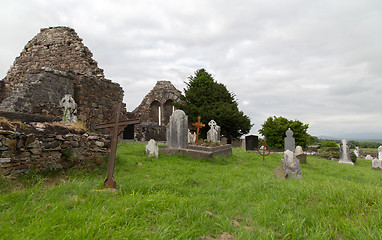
point(379, 140)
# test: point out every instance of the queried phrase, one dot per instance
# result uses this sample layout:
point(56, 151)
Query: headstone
point(152, 148)
point(291, 165)
point(300, 155)
point(191, 136)
point(380, 152)
point(224, 140)
point(289, 142)
point(177, 135)
point(279, 173)
point(345, 153)
point(376, 164)
point(251, 142)
point(298, 151)
point(356, 152)
point(369, 157)
point(69, 108)
point(213, 134)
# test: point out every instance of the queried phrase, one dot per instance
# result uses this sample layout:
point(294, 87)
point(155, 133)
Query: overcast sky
point(316, 61)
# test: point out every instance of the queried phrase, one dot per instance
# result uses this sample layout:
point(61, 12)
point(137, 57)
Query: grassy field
point(177, 197)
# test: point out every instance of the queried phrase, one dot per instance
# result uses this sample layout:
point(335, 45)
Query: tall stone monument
point(345, 153)
point(177, 131)
point(289, 142)
point(380, 152)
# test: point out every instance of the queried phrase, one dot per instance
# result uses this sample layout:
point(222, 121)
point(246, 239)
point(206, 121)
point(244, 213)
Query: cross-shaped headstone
point(198, 125)
point(115, 126)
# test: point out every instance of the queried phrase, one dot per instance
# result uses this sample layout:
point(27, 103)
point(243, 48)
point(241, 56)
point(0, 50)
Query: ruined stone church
point(55, 63)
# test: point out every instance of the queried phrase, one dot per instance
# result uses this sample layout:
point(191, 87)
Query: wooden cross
point(198, 125)
point(115, 126)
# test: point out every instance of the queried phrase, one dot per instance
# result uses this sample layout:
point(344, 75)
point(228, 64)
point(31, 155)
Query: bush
point(329, 152)
point(329, 144)
point(353, 157)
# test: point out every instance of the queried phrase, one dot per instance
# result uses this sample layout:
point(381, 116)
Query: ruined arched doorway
point(168, 109)
point(155, 113)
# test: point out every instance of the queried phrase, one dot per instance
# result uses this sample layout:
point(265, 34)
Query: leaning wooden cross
point(115, 126)
point(198, 125)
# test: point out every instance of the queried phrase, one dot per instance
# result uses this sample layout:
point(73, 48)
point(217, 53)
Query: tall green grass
point(177, 197)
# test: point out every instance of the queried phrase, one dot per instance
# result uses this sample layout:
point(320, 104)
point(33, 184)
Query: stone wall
point(55, 63)
point(38, 147)
point(2, 90)
point(155, 111)
point(158, 103)
point(58, 48)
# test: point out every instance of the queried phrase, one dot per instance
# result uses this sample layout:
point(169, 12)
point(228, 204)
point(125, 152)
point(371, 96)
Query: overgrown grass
point(177, 197)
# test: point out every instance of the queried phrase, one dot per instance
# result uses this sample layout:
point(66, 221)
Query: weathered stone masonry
point(25, 148)
point(52, 64)
point(155, 111)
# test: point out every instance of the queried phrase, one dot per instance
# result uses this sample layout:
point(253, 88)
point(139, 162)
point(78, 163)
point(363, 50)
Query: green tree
point(205, 97)
point(274, 128)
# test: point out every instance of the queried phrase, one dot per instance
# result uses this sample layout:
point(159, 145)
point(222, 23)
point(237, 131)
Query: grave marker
point(345, 153)
point(115, 126)
point(289, 142)
point(177, 130)
point(198, 125)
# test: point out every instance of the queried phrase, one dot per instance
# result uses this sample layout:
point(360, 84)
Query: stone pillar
point(345, 153)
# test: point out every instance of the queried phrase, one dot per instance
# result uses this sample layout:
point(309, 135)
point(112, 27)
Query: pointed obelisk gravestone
point(115, 127)
point(177, 131)
point(345, 153)
point(198, 125)
point(289, 142)
point(380, 152)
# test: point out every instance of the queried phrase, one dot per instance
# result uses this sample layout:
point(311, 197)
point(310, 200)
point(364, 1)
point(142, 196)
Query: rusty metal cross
point(198, 125)
point(115, 126)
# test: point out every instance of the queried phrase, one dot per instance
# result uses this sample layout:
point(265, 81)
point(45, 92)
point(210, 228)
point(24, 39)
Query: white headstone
point(214, 133)
point(356, 152)
point(368, 157)
point(152, 148)
point(380, 152)
point(289, 142)
point(69, 108)
point(298, 151)
point(291, 165)
point(345, 153)
point(376, 164)
point(177, 135)
point(191, 136)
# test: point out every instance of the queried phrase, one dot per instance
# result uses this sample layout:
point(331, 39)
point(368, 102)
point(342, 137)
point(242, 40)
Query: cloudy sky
point(316, 61)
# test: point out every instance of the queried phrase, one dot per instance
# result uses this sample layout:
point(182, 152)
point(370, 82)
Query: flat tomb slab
point(197, 151)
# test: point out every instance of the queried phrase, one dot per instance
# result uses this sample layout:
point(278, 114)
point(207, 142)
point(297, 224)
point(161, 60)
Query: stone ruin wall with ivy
point(54, 63)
